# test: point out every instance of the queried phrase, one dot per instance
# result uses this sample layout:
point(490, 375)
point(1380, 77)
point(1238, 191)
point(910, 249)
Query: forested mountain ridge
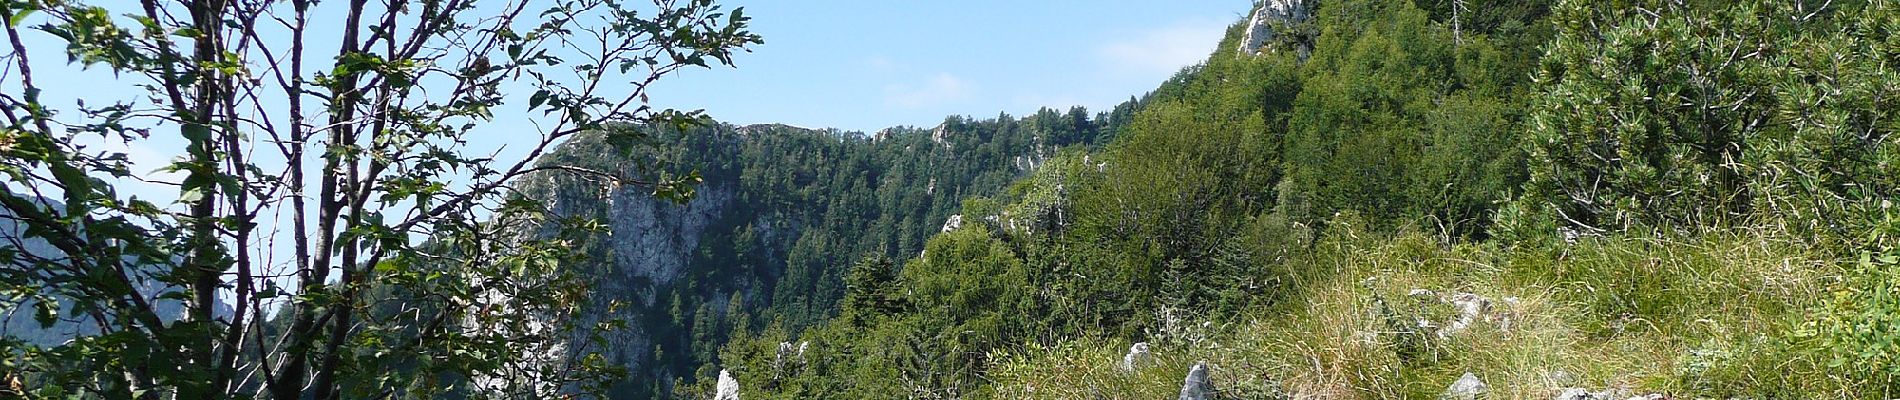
point(781, 211)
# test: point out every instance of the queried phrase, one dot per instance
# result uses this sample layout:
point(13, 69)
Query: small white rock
point(1136, 358)
point(1575, 394)
point(1470, 307)
point(728, 388)
point(1468, 387)
point(952, 223)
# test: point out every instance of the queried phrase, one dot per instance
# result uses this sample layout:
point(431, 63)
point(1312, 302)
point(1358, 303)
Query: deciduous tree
point(339, 127)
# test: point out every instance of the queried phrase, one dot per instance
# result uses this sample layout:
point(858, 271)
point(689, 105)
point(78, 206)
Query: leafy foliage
point(1855, 327)
point(1402, 124)
point(411, 269)
point(1681, 114)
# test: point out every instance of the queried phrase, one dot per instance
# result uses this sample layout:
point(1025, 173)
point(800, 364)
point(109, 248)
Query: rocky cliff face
point(652, 239)
point(648, 245)
point(1274, 19)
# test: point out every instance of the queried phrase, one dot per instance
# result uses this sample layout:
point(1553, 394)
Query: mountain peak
point(1272, 18)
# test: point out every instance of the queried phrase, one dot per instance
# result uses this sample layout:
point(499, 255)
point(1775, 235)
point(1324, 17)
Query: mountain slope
point(782, 211)
point(20, 319)
point(1506, 192)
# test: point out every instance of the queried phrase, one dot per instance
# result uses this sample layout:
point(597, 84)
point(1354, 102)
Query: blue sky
point(865, 65)
point(853, 65)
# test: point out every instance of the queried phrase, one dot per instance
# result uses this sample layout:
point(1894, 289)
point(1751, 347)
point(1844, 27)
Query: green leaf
point(195, 132)
point(46, 312)
point(540, 96)
point(75, 181)
point(192, 195)
point(388, 267)
point(20, 14)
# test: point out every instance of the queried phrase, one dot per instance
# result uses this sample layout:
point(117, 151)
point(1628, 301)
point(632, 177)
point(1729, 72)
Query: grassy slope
point(1724, 313)
point(1714, 315)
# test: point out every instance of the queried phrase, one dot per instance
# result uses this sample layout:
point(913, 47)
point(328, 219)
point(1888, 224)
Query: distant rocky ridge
point(18, 322)
point(781, 213)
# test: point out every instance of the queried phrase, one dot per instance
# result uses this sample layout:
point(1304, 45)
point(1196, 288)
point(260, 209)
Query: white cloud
point(939, 89)
point(1163, 50)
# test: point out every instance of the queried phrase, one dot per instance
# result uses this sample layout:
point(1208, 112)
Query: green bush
point(1858, 328)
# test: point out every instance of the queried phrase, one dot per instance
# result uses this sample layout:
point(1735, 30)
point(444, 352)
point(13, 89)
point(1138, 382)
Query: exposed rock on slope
point(1467, 387)
point(728, 388)
point(1195, 387)
point(650, 242)
point(1136, 358)
point(1271, 19)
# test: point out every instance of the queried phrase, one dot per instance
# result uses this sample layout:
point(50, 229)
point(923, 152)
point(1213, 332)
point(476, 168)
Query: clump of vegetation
point(1854, 326)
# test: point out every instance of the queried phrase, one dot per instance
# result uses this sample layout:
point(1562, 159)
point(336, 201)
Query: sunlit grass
point(1708, 315)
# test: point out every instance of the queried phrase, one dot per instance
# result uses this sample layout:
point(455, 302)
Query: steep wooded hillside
point(779, 215)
